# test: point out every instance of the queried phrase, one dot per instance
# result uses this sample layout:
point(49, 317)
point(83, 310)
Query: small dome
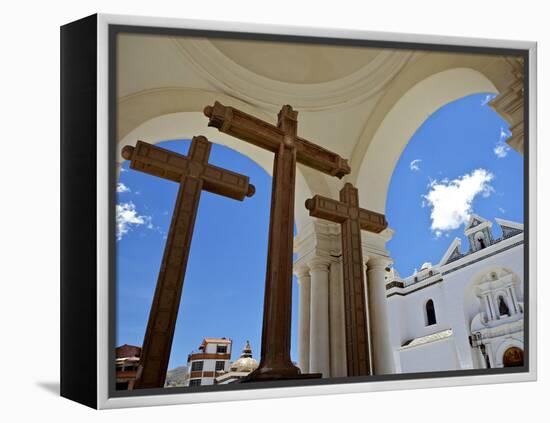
point(245, 363)
point(426, 265)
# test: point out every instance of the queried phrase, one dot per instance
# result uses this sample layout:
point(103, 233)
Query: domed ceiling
point(296, 63)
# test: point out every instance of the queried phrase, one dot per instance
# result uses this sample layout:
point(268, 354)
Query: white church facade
point(466, 312)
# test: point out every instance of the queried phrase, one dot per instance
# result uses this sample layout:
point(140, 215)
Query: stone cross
point(352, 219)
point(282, 139)
point(194, 174)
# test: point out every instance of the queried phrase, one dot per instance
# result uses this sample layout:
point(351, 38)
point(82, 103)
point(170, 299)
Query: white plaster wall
point(413, 322)
point(455, 306)
point(435, 356)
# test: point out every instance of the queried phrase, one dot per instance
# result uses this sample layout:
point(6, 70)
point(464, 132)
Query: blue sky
point(224, 283)
point(457, 163)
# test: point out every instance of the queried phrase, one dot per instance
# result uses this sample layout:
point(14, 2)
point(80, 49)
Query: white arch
point(403, 120)
point(185, 125)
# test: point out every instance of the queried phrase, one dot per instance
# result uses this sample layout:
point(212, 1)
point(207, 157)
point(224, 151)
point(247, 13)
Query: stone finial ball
point(251, 190)
point(208, 111)
point(127, 152)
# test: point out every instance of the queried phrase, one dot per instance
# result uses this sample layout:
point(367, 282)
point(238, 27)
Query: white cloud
point(126, 217)
point(501, 148)
point(487, 99)
point(414, 165)
point(120, 188)
point(451, 201)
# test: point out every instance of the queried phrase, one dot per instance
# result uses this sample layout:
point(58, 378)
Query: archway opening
point(503, 309)
point(430, 313)
point(452, 167)
point(225, 277)
point(513, 357)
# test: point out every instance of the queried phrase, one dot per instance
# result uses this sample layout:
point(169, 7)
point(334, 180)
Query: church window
point(221, 349)
point(197, 366)
point(480, 241)
point(220, 365)
point(503, 309)
point(430, 313)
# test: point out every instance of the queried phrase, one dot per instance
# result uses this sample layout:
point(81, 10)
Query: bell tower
point(479, 233)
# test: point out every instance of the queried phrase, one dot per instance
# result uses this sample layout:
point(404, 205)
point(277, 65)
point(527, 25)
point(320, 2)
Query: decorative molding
point(482, 258)
point(509, 103)
point(416, 289)
point(434, 337)
point(319, 263)
point(378, 263)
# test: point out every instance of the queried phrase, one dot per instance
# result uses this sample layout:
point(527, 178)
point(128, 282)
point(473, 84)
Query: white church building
point(466, 312)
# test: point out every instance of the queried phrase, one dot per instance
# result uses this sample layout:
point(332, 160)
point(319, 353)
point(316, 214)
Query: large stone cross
point(352, 219)
point(193, 173)
point(282, 139)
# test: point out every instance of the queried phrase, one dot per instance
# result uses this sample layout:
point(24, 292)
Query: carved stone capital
point(319, 264)
point(318, 239)
point(378, 263)
point(302, 272)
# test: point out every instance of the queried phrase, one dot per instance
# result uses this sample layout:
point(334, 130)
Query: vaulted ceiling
point(345, 96)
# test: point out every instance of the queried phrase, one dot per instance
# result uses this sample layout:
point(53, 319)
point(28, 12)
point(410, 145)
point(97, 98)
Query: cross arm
point(372, 221)
point(173, 166)
point(321, 159)
point(327, 208)
point(156, 161)
point(265, 135)
point(338, 211)
point(246, 127)
point(229, 184)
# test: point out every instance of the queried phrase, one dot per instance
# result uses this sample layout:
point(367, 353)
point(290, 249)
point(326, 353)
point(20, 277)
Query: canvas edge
point(78, 281)
point(103, 245)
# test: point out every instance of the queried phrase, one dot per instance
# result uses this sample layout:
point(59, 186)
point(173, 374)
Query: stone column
point(490, 313)
point(319, 346)
point(369, 313)
point(514, 298)
point(494, 304)
point(304, 282)
point(379, 318)
point(338, 365)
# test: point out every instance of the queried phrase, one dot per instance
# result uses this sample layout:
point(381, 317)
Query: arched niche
point(408, 113)
point(495, 279)
point(506, 347)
